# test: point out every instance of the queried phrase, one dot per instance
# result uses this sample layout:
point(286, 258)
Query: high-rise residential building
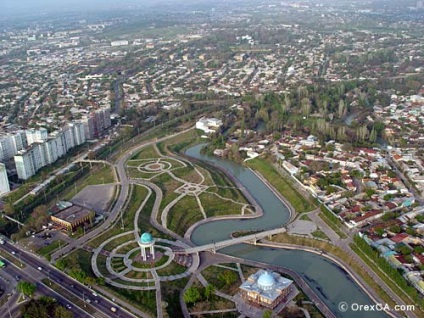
point(50, 150)
point(19, 141)
point(47, 151)
point(38, 155)
point(96, 122)
point(4, 182)
point(4, 147)
point(88, 123)
point(60, 145)
point(24, 163)
point(78, 133)
point(10, 144)
point(36, 135)
point(68, 138)
point(29, 161)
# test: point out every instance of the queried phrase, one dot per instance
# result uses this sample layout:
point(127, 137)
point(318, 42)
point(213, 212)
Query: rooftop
point(72, 213)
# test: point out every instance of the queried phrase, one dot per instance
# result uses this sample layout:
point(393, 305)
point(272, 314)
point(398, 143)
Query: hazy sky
point(25, 6)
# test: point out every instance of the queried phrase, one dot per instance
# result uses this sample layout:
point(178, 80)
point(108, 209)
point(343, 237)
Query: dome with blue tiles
point(146, 238)
point(266, 281)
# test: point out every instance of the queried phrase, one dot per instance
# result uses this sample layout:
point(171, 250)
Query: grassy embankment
point(332, 221)
point(284, 186)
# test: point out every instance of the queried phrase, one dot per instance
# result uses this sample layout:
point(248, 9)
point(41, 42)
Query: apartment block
point(4, 182)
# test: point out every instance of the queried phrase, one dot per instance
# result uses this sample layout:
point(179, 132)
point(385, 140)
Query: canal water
point(332, 284)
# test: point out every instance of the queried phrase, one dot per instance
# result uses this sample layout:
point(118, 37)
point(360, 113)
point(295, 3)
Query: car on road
point(96, 301)
point(68, 306)
point(39, 268)
point(94, 294)
point(17, 278)
point(13, 253)
point(88, 300)
point(113, 309)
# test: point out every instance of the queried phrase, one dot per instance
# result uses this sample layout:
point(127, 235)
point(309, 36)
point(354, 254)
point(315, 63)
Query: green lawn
point(305, 217)
point(319, 234)
point(47, 250)
point(188, 174)
point(215, 206)
point(172, 269)
point(285, 187)
point(146, 153)
point(183, 214)
point(103, 175)
point(178, 143)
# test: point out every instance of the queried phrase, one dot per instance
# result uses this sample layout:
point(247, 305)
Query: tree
point(8, 208)
point(78, 274)
point(91, 155)
point(100, 281)
point(192, 295)
point(369, 192)
point(267, 314)
point(61, 264)
point(90, 281)
point(62, 312)
point(40, 216)
point(26, 288)
point(228, 277)
point(209, 291)
point(34, 308)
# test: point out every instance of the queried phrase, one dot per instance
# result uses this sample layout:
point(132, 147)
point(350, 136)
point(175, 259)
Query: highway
point(13, 310)
point(99, 306)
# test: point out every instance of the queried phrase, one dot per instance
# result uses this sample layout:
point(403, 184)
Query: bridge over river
point(251, 238)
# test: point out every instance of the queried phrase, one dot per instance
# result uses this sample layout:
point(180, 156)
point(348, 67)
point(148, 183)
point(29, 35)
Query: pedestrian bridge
point(251, 238)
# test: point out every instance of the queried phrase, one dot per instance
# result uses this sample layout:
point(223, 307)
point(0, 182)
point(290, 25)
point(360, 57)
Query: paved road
point(70, 286)
point(13, 309)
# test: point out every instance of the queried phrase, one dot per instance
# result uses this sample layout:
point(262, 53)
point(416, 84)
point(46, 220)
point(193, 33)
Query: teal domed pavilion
point(146, 241)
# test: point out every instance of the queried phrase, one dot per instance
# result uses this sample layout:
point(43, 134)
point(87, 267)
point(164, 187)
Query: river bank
point(313, 268)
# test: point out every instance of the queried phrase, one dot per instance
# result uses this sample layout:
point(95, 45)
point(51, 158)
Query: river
point(331, 283)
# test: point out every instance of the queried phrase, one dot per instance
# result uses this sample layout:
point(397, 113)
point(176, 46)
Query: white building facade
point(4, 182)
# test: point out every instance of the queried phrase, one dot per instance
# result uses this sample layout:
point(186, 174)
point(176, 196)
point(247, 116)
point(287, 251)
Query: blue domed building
point(268, 289)
point(146, 241)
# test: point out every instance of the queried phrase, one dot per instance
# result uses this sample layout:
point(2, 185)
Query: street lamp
point(20, 259)
point(48, 276)
point(83, 299)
